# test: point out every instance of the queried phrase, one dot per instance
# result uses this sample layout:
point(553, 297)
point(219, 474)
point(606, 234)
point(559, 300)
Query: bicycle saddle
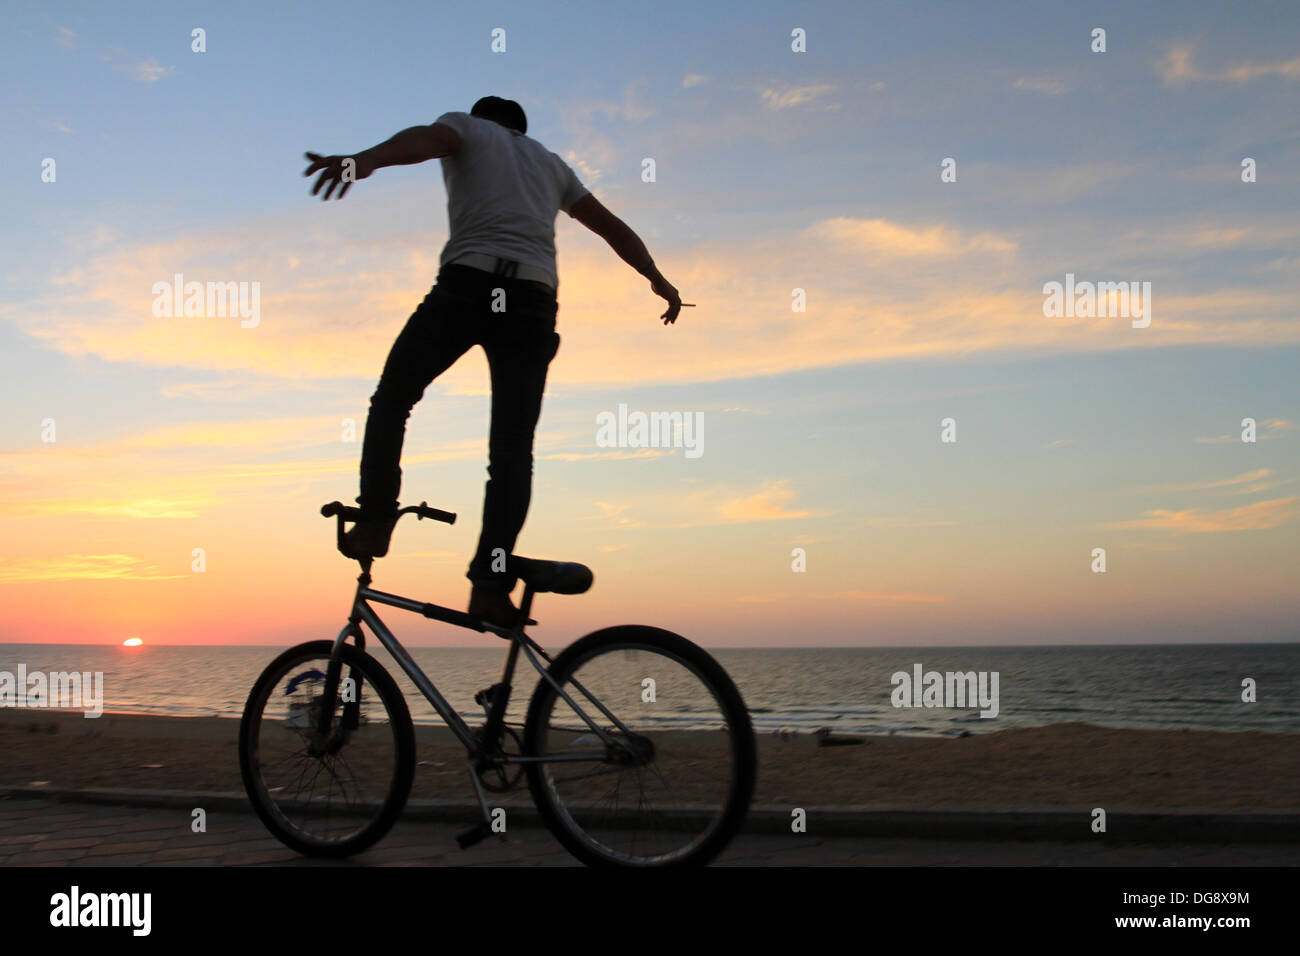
point(557, 577)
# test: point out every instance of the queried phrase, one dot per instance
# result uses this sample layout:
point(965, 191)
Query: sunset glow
point(166, 473)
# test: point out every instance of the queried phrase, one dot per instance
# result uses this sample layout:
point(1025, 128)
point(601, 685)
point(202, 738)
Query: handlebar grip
point(436, 514)
point(339, 508)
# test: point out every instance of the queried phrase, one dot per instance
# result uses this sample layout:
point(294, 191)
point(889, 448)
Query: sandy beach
point(1062, 765)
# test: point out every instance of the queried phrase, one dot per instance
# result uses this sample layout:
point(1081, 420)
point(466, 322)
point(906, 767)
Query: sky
point(825, 506)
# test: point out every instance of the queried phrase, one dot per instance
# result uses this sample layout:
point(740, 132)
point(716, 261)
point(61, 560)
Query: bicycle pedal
point(473, 835)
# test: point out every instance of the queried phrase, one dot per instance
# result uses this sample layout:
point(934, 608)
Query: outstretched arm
point(415, 145)
point(592, 213)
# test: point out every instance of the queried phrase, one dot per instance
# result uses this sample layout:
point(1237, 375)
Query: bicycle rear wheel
point(668, 779)
point(326, 795)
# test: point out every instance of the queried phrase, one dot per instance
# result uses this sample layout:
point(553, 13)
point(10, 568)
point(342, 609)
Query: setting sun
point(132, 642)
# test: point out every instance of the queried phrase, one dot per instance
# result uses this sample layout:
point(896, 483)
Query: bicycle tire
point(742, 744)
point(378, 680)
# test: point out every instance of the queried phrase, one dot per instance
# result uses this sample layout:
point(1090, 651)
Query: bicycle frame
point(340, 710)
point(363, 613)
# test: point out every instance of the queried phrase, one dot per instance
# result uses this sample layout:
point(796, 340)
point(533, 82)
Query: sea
point(787, 690)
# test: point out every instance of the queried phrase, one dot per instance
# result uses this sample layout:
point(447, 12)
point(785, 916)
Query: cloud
point(278, 433)
point(1267, 430)
point(242, 387)
point(104, 507)
point(594, 126)
point(771, 501)
point(596, 132)
point(761, 598)
point(1176, 68)
point(637, 105)
point(885, 597)
point(64, 38)
point(1033, 186)
point(147, 70)
point(336, 290)
point(1047, 86)
point(784, 98)
point(183, 471)
point(1059, 443)
point(881, 237)
point(904, 521)
point(1260, 516)
point(1248, 483)
point(612, 454)
point(587, 173)
point(869, 597)
point(150, 70)
point(1176, 65)
point(613, 515)
point(1214, 236)
point(73, 567)
point(693, 79)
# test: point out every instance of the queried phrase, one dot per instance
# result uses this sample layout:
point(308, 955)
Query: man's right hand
point(665, 290)
point(332, 172)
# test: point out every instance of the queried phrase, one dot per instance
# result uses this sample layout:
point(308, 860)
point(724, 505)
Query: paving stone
point(17, 839)
point(45, 846)
point(120, 859)
point(127, 836)
point(36, 855)
point(147, 846)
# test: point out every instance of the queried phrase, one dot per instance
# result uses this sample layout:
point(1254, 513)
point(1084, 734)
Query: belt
point(504, 267)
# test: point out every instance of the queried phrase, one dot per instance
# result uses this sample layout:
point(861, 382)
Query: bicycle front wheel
point(326, 794)
point(645, 755)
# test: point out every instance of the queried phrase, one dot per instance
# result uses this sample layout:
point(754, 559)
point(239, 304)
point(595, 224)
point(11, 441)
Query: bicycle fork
point(333, 675)
point(350, 719)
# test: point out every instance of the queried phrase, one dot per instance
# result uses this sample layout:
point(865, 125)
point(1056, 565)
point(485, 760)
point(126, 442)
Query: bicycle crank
point(501, 777)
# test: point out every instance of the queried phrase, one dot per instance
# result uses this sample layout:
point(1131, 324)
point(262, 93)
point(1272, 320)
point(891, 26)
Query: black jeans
point(520, 340)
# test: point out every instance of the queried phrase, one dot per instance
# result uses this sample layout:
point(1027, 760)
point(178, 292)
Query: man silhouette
point(504, 190)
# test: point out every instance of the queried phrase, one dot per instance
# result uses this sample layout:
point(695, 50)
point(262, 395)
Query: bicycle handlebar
point(350, 513)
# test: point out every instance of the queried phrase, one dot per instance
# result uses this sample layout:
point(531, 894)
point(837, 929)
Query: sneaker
point(368, 538)
point(491, 602)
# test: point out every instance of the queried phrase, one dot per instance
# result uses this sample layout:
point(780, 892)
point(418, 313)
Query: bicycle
point(307, 727)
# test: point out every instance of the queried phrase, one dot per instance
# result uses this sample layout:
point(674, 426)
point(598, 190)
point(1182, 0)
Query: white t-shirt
point(503, 192)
